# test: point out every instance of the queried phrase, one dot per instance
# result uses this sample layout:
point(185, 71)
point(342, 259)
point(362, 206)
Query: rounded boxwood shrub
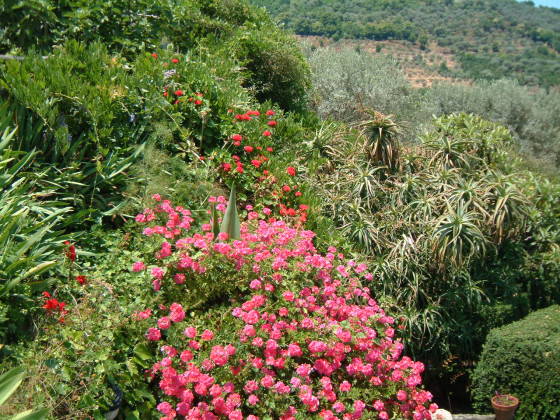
point(523, 359)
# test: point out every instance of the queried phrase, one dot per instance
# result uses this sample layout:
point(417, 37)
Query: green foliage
point(528, 115)
point(30, 237)
point(447, 230)
point(230, 223)
point(523, 39)
point(522, 359)
point(275, 67)
point(9, 382)
point(346, 83)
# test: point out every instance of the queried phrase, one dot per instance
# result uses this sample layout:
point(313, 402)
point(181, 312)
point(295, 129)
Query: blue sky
point(550, 3)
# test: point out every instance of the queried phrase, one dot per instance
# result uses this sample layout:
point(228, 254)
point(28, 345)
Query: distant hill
point(486, 39)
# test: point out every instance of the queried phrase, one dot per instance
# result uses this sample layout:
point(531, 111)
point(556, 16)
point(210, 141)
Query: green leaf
point(231, 224)
point(215, 224)
point(29, 415)
point(142, 352)
point(9, 382)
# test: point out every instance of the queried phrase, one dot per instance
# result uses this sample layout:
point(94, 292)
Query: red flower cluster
point(81, 280)
point(53, 305)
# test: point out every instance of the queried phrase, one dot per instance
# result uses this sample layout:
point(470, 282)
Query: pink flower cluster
point(308, 338)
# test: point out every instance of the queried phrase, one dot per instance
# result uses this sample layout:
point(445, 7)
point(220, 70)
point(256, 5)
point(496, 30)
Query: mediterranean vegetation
point(488, 39)
point(202, 218)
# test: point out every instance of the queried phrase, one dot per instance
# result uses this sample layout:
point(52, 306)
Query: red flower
point(197, 102)
point(286, 188)
point(179, 92)
point(81, 280)
point(272, 123)
point(227, 167)
point(248, 149)
point(291, 171)
point(298, 193)
point(51, 305)
point(165, 94)
point(174, 61)
point(269, 149)
point(245, 117)
point(237, 137)
point(154, 55)
point(256, 163)
point(71, 251)
point(199, 94)
point(269, 112)
point(266, 133)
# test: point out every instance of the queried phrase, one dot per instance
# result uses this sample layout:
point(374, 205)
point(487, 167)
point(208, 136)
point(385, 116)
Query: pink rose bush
point(300, 335)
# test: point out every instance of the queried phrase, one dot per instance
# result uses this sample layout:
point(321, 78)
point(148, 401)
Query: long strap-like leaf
point(231, 224)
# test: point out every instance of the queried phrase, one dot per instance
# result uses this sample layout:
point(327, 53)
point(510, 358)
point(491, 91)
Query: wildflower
point(178, 92)
point(81, 280)
point(266, 133)
point(291, 171)
point(272, 124)
point(248, 149)
point(174, 61)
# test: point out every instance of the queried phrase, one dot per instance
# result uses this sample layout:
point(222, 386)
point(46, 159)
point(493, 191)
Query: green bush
point(523, 359)
point(345, 82)
point(275, 67)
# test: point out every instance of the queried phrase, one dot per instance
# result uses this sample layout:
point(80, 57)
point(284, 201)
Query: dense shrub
point(275, 67)
point(523, 359)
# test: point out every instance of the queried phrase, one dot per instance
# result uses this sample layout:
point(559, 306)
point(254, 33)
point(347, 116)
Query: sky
point(550, 3)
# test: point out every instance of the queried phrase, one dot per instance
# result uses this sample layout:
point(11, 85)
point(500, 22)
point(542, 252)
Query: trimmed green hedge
point(523, 359)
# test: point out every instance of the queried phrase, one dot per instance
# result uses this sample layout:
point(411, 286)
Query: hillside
point(486, 39)
point(373, 236)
